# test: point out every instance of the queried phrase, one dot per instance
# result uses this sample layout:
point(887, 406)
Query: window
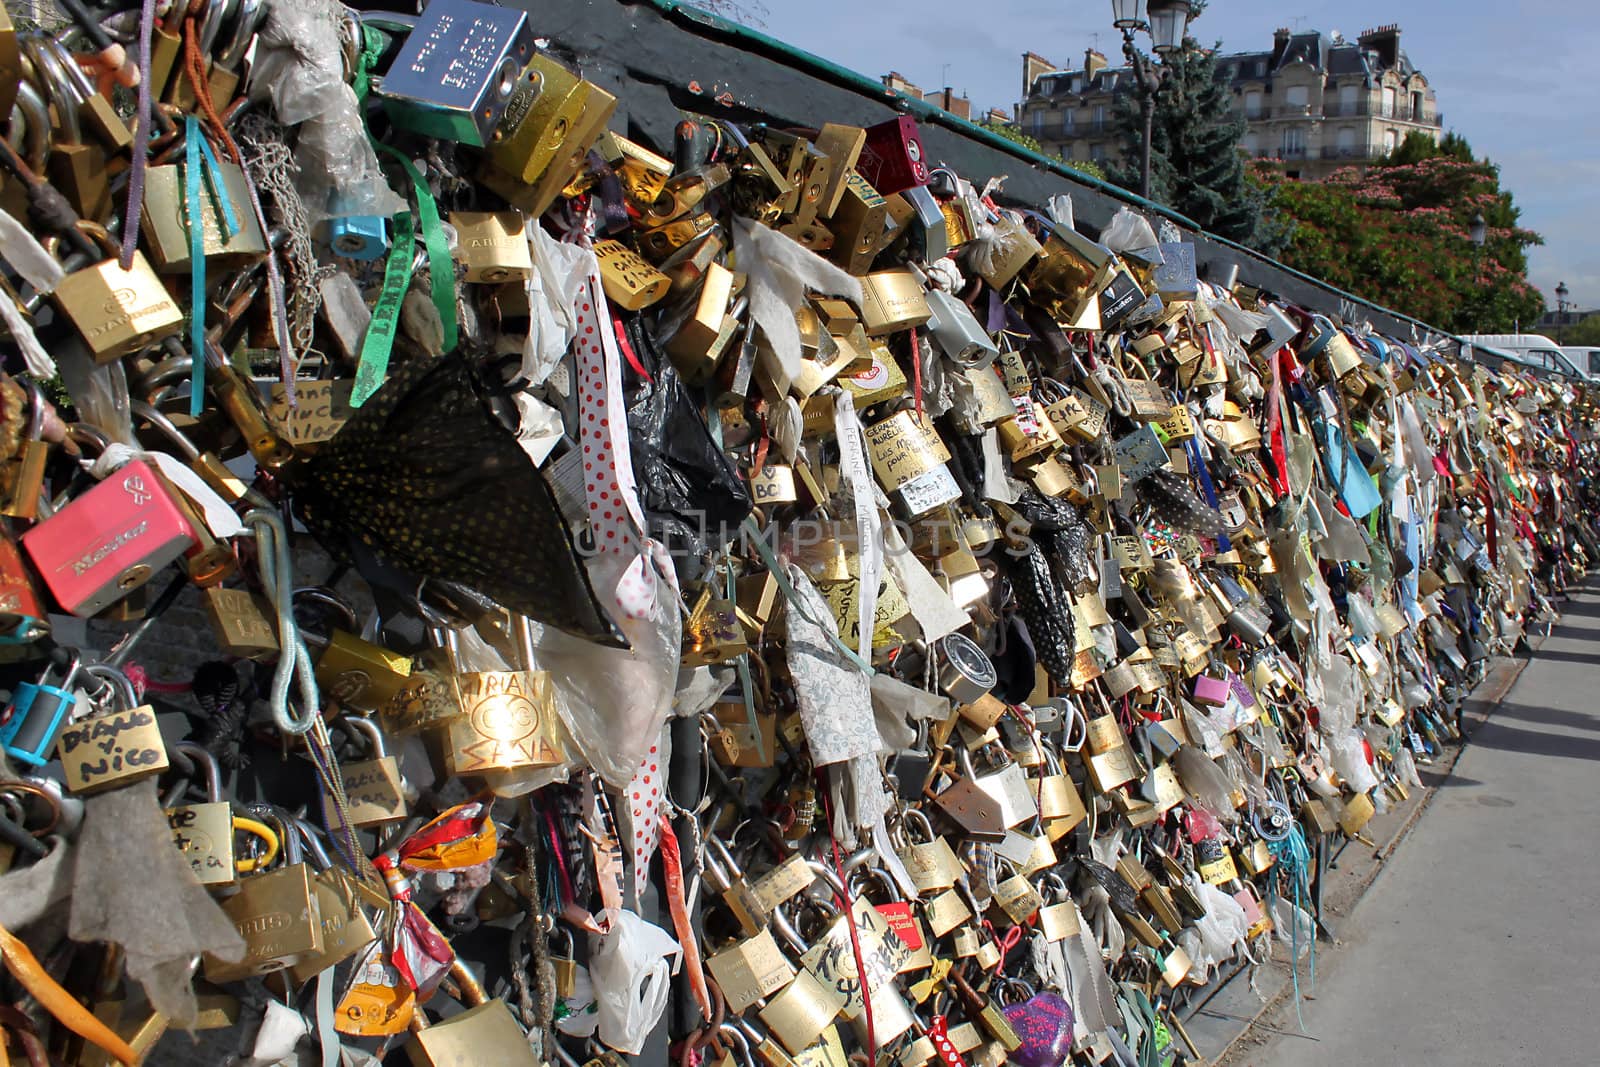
point(1348, 99)
point(1347, 141)
point(1252, 104)
point(1252, 144)
point(1294, 142)
point(1390, 139)
point(1297, 96)
point(1097, 153)
point(1099, 116)
point(1416, 107)
point(1388, 101)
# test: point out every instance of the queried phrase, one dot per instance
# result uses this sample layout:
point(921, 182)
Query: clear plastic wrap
point(298, 68)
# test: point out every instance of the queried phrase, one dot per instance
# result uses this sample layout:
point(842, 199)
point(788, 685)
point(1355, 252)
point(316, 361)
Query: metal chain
point(272, 167)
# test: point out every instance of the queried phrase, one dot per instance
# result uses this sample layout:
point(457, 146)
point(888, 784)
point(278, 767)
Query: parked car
point(1540, 355)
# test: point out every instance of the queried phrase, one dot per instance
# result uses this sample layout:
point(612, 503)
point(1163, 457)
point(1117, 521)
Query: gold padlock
point(117, 312)
point(277, 913)
point(857, 223)
point(488, 1033)
point(357, 673)
point(165, 221)
point(112, 749)
point(508, 722)
point(547, 103)
point(241, 622)
point(373, 787)
point(630, 282)
point(492, 245)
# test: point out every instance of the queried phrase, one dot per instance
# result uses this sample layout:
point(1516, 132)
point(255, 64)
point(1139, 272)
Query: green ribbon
point(373, 364)
point(441, 267)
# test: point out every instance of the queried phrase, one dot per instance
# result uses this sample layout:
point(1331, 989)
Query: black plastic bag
point(433, 482)
point(687, 486)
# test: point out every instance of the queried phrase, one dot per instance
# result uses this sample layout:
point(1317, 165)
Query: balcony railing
point(1334, 109)
point(1359, 151)
point(1052, 131)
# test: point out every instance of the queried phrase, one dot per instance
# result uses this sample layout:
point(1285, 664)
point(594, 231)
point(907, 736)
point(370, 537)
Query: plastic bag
point(615, 700)
point(685, 481)
point(1214, 938)
point(632, 964)
point(299, 68)
point(1129, 233)
point(1293, 926)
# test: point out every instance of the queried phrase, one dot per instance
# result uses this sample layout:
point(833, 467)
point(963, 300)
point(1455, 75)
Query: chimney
point(1093, 63)
point(1280, 45)
point(1033, 65)
point(1385, 42)
point(959, 106)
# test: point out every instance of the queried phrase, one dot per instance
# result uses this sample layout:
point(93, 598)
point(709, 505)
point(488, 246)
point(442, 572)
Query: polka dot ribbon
point(939, 1034)
point(644, 805)
point(609, 489)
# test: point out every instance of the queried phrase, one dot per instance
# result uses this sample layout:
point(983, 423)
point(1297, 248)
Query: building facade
point(959, 106)
point(1315, 102)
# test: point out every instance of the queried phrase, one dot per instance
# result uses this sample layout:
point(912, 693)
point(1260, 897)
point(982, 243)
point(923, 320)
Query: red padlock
point(893, 159)
point(109, 541)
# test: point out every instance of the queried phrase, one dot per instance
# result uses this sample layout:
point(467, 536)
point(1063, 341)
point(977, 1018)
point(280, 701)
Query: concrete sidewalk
point(1478, 944)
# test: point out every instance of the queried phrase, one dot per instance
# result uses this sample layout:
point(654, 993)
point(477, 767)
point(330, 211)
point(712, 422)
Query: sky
point(1515, 77)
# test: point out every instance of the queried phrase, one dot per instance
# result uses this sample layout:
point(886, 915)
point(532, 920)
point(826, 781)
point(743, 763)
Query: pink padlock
point(109, 541)
point(1209, 690)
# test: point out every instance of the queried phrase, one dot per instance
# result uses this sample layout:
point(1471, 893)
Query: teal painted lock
point(39, 710)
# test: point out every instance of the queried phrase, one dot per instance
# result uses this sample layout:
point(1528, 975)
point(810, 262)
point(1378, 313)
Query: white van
point(1539, 354)
point(1587, 359)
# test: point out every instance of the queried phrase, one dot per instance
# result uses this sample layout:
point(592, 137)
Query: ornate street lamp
point(1167, 23)
point(1127, 14)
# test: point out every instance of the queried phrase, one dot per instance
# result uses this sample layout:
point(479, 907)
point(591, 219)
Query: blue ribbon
point(200, 165)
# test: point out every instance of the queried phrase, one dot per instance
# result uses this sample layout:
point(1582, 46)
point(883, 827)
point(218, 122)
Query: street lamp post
point(1478, 235)
point(1166, 21)
point(1562, 292)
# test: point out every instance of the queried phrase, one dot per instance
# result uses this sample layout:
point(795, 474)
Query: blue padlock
point(37, 712)
point(364, 237)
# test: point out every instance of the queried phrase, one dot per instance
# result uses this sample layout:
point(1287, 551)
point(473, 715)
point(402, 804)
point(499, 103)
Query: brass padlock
point(857, 223)
point(892, 301)
point(565, 963)
point(801, 1012)
point(492, 245)
point(750, 970)
point(545, 107)
point(277, 913)
point(204, 832)
point(373, 787)
point(488, 1033)
point(357, 673)
point(116, 311)
point(630, 282)
point(112, 748)
point(508, 722)
point(165, 221)
point(344, 905)
point(932, 863)
point(241, 621)
point(701, 339)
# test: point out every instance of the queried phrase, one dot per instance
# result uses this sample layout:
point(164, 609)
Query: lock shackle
point(916, 817)
point(30, 125)
point(308, 834)
point(785, 929)
point(17, 791)
point(58, 86)
point(117, 682)
point(741, 1044)
point(250, 16)
point(283, 824)
point(203, 760)
point(724, 857)
point(143, 410)
point(322, 599)
point(217, 14)
point(826, 876)
point(866, 875)
point(363, 725)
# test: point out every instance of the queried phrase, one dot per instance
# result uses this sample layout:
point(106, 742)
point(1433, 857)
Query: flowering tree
point(1399, 234)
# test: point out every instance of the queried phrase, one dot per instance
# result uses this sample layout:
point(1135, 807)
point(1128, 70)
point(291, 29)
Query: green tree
point(1195, 163)
point(1398, 234)
point(1014, 133)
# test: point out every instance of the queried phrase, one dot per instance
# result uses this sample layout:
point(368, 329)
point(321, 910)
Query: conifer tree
point(1195, 163)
